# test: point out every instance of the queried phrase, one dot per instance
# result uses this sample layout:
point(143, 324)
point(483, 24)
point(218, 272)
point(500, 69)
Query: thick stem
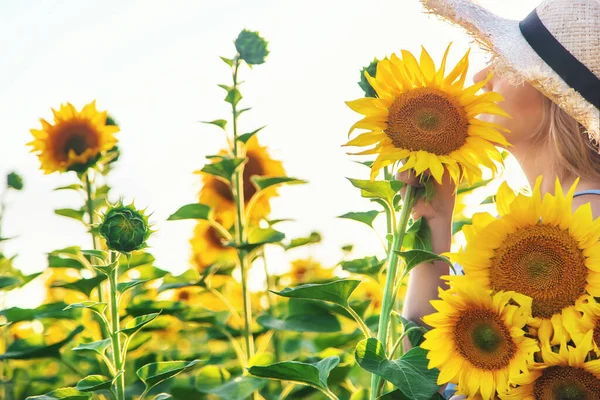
point(89, 202)
point(390, 279)
point(114, 332)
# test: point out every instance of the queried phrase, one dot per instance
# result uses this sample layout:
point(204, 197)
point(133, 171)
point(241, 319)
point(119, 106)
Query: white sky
point(155, 66)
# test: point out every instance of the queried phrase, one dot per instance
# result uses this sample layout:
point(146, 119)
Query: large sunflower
point(539, 248)
point(208, 248)
point(564, 375)
point(477, 340)
point(583, 319)
point(217, 194)
point(428, 119)
point(76, 139)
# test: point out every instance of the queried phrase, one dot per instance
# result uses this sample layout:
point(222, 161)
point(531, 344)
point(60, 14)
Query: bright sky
point(155, 66)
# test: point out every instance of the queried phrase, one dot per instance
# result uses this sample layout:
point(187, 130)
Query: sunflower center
point(597, 333)
point(483, 339)
point(214, 238)
point(427, 119)
point(543, 262)
point(567, 383)
point(253, 167)
point(76, 137)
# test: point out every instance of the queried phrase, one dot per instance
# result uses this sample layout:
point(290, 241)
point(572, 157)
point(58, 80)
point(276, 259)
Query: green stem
point(271, 303)
point(390, 279)
point(238, 193)
point(327, 392)
point(360, 322)
point(114, 334)
point(89, 202)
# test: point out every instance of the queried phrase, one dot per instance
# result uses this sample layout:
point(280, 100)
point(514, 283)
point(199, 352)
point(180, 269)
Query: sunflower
point(217, 193)
point(477, 340)
point(208, 248)
point(75, 141)
point(370, 289)
point(583, 319)
point(306, 270)
point(539, 248)
point(563, 375)
point(427, 119)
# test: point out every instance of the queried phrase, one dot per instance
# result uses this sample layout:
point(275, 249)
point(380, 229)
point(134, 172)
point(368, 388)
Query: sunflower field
point(516, 316)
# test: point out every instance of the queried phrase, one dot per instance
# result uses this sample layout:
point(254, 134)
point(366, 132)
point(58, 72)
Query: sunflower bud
point(125, 228)
point(364, 83)
point(14, 180)
point(251, 47)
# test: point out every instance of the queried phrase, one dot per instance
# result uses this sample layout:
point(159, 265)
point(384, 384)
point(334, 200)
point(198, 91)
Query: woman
point(547, 67)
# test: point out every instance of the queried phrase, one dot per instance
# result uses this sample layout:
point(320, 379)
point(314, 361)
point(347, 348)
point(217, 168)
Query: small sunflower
point(75, 141)
point(208, 248)
point(538, 248)
point(583, 319)
point(477, 340)
point(370, 289)
point(427, 119)
point(565, 375)
point(217, 194)
point(306, 270)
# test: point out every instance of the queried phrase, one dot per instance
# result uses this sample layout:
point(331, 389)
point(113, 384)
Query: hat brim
point(513, 55)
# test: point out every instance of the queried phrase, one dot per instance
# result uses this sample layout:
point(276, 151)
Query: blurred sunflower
point(58, 276)
point(538, 248)
point(208, 248)
point(477, 340)
point(565, 375)
point(583, 319)
point(306, 270)
point(428, 119)
point(217, 193)
point(75, 141)
point(370, 289)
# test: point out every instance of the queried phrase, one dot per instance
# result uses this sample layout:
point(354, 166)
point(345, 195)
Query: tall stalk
point(390, 279)
point(240, 231)
point(89, 202)
point(114, 329)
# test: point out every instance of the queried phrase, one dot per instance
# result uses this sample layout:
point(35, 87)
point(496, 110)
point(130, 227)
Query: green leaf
point(210, 377)
point(221, 123)
point(192, 211)
point(9, 282)
point(318, 323)
point(138, 323)
point(418, 236)
point(154, 373)
point(336, 292)
point(264, 182)
point(136, 259)
point(106, 270)
point(70, 213)
point(314, 237)
point(415, 332)
point(98, 347)
point(409, 373)
point(163, 396)
point(25, 350)
point(260, 236)
point(312, 374)
point(75, 186)
point(369, 266)
point(366, 217)
point(247, 136)
point(100, 254)
point(385, 190)
point(202, 315)
point(465, 188)
point(69, 393)
point(489, 200)
point(51, 310)
point(92, 383)
point(233, 97)
point(63, 258)
point(412, 258)
point(93, 305)
point(227, 61)
point(241, 388)
point(225, 168)
point(165, 307)
point(84, 286)
point(122, 287)
point(458, 225)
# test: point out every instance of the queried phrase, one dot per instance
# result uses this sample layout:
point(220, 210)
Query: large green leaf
point(138, 323)
point(385, 190)
point(65, 258)
point(369, 266)
point(225, 168)
point(412, 258)
point(136, 259)
point(63, 394)
point(240, 388)
point(192, 211)
point(154, 373)
point(418, 236)
point(84, 286)
point(122, 287)
point(409, 373)
point(264, 182)
point(51, 310)
point(335, 292)
point(312, 374)
point(92, 383)
point(319, 323)
point(25, 350)
point(366, 217)
point(415, 332)
point(99, 347)
point(9, 282)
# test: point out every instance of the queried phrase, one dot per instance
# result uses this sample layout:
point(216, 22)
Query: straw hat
point(556, 49)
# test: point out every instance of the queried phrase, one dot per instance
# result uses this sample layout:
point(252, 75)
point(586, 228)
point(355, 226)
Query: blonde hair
point(573, 151)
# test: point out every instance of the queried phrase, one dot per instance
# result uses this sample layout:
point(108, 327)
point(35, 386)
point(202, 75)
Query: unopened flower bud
point(251, 47)
point(125, 228)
